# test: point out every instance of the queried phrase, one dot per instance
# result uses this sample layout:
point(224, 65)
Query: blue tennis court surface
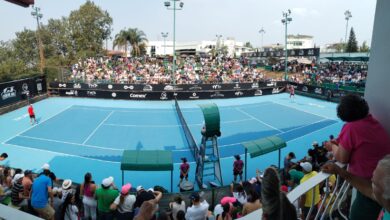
point(80, 135)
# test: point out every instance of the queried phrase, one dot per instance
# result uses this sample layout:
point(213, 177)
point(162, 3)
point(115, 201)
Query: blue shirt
point(39, 195)
point(386, 216)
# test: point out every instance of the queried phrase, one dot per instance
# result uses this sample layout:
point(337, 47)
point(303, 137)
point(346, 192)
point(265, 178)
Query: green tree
point(89, 26)
point(352, 45)
point(248, 44)
point(121, 40)
point(137, 40)
point(364, 47)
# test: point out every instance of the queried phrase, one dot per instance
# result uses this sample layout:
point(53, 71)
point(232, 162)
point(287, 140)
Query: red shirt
point(367, 142)
point(238, 165)
point(184, 167)
point(30, 110)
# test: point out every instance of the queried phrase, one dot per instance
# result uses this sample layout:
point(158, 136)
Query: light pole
point(168, 4)
point(262, 32)
point(36, 14)
point(286, 19)
point(348, 15)
point(217, 44)
point(164, 35)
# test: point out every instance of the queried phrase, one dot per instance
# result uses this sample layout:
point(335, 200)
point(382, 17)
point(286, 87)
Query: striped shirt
point(16, 189)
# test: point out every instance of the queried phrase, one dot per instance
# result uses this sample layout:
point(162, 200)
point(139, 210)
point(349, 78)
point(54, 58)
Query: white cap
point(315, 143)
point(253, 180)
point(306, 166)
point(17, 177)
point(108, 181)
point(151, 189)
point(46, 166)
point(66, 184)
point(139, 188)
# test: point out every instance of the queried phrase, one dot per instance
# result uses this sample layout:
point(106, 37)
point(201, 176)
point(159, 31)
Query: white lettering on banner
point(238, 93)
point(271, 84)
point(148, 88)
point(217, 95)
point(216, 86)
point(258, 92)
point(94, 85)
point(113, 94)
point(194, 96)
point(71, 92)
point(39, 87)
point(109, 86)
point(195, 88)
point(138, 96)
point(275, 90)
point(255, 86)
point(163, 96)
point(8, 92)
point(25, 89)
point(77, 86)
point(62, 85)
point(318, 90)
point(175, 94)
point(91, 93)
point(237, 86)
point(168, 88)
point(305, 89)
point(131, 87)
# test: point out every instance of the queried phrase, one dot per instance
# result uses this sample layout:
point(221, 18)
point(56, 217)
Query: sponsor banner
point(168, 95)
point(14, 91)
point(160, 87)
point(309, 52)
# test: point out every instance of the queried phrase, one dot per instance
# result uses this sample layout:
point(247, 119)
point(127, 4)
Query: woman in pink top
point(362, 142)
point(87, 189)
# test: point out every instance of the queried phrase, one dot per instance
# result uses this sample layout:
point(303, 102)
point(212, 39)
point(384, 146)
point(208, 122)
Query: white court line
point(168, 126)
point(38, 124)
point(64, 154)
point(305, 111)
point(134, 111)
point(65, 142)
point(94, 131)
point(226, 145)
point(311, 132)
point(254, 118)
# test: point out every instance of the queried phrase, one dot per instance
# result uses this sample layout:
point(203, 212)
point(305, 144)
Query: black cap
point(195, 196)
point(184, 159)
point(237, 157)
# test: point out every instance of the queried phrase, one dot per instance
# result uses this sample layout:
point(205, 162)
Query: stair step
point(208, 174)
point(208, 168)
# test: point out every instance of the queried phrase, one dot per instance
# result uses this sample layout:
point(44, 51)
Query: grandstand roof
point(263, 146)
point(153, 160)
point(351, 59)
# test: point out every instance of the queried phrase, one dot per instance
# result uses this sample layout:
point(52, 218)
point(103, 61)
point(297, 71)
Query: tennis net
point(190, 139)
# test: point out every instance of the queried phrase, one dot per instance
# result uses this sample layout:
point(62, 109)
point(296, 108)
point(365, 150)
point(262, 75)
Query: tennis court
point(79, 135)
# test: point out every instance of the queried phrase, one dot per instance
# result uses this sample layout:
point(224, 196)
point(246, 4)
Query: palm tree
point(137, 40)
point(121, 39)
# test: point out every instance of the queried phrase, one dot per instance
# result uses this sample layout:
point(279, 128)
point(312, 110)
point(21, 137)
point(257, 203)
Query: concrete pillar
point(377, 91)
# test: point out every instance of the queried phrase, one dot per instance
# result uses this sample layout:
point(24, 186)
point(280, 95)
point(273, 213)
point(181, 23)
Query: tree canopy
point(352, 45)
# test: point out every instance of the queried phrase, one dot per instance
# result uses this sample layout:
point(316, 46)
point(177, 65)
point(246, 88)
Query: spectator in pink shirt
point(362, 142)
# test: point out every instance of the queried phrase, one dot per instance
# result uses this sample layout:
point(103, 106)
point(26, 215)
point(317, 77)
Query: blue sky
point(204, 19)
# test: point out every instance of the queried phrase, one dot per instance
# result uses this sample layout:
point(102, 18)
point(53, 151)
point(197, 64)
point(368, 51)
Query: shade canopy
point(153, 160)
point(262, 146)
point(350, 59)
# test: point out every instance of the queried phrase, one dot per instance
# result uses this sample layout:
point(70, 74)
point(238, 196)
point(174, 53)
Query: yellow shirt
point(309, 195)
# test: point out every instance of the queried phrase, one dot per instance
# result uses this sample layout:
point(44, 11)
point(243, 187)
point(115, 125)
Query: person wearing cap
point(124, 204)
point(66, 189)
point(143, 196)
point(27, 182)
point(306, 200)
point(362, 142)
point(238, 166)
point(198, 210)
point(106, 195)
point(17, 197)
point(40, 192)
point(287, 161)
point(87, 190)
point(184, 169)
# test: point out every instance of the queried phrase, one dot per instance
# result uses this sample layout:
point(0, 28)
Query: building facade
point(299, 41)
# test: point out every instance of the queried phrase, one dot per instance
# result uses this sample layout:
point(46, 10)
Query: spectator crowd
point(362, 143)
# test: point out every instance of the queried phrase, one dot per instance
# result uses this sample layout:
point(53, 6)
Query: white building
point(299, 41)
point(196, 47)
